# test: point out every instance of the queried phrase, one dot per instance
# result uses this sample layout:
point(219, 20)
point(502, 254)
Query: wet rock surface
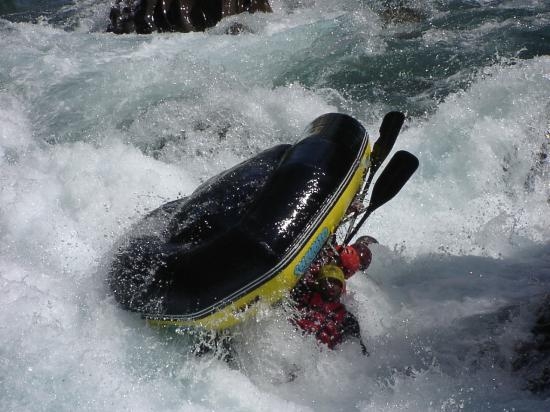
point(148, 16)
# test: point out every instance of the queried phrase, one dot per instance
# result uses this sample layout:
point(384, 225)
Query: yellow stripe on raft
point(278, 287)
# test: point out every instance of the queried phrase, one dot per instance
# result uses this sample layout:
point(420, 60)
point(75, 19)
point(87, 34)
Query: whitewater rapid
point(96, 130)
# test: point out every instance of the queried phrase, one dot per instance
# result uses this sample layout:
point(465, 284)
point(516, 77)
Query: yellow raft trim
point(278, 287)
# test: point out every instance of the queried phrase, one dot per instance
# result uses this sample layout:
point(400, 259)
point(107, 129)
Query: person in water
point(317, 295)
point(316, 300)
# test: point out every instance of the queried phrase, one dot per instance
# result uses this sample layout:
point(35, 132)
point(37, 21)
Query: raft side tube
point(331, 171)
point(263, 245)
point(148, 258)
point(275, 289)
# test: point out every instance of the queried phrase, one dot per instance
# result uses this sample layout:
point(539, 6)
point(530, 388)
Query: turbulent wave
point(97, 129)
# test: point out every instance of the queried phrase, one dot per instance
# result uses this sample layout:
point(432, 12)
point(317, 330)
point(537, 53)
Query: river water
point(98, 129)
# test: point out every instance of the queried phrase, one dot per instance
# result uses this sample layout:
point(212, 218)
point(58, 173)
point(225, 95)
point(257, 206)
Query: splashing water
point(97, 129)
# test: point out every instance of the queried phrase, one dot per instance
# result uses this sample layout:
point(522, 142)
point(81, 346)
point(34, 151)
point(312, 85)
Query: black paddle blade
point(398, 171)
point(389, 130)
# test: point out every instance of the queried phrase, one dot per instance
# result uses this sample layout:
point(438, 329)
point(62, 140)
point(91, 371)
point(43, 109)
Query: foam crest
point(479, 167)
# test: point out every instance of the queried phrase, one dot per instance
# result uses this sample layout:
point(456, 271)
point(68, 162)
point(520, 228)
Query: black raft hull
point(245, 236)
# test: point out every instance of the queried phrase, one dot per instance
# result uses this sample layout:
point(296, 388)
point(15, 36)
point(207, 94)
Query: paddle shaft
point(398, 171)
point(389, 130)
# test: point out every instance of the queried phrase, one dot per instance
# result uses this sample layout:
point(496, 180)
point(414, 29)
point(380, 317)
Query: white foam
point(15, 134)
point(478, 155)
point(96, 130)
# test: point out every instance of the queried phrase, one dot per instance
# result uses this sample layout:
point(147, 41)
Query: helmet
point(367, 240)
point(332, 272)
point(350, 260)
point(364, 253)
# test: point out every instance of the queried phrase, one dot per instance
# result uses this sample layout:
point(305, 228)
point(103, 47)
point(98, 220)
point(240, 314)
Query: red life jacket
point(329, 321)
point(320, 317)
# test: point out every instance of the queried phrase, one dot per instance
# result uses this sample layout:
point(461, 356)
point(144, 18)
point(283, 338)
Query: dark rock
point(147, 16)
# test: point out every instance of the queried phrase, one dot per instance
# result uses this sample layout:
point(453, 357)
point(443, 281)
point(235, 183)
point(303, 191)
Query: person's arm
point(351, 328)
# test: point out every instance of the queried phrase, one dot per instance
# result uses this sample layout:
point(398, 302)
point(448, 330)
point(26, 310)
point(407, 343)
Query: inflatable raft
point(245, 236)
